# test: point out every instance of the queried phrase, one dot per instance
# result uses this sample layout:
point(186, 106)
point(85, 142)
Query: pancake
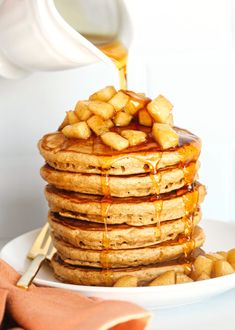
point(91, 235)
point(122, 202)
point(122, 186)
point(166, 251)
point(98, 277)
point(133, 211)
point(92, 156)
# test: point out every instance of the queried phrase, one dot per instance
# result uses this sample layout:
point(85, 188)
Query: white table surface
point(217, 314)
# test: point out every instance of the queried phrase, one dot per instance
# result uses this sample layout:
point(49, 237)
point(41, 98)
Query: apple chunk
point(115, 141)
point(82, 111)
point(72, 117)
point(102, 109)
point(79, 130)
point(119, 100)
point(105, 94)
point(97, 124)
point(166, 278)
point(165, 135)
point(221, 268)
point(122, 119)
point(160, 109)
point(134, 137)
point(144, 118)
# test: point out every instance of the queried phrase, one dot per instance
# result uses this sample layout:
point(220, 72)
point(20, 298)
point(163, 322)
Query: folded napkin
point(42, 308)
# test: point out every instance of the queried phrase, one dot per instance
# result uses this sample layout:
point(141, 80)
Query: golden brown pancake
point(166, 251)
point(90, 235)
point(122, 186)
point(133, 211)
point(92, 156)
point(128, 211)
point(98, 277)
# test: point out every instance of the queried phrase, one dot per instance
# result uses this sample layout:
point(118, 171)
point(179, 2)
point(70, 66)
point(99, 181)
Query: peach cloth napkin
point(41, 308)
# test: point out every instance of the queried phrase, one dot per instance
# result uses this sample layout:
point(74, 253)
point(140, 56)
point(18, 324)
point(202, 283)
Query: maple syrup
point(156, 183)
point(190, 202)
point(105, 204)
point(115, 50)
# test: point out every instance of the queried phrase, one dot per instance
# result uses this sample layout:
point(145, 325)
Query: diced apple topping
point(202, 264)
point(109, 123)
point(203, 277)
point(115, 141)
point(82, 111)
point(119, 101)
point(160, 109)
point(126, 281)
point(97, 124)
point(165, 135)
point(231, 257)
point(136, 102)
point(130, 108)
point(108, 108)
point(133, 136)
point(221, 268)
point(105, 94)
point(144, 118)
point(122, 119)
point(102, 109)
point(182, 278)
point(166, 278)
point(72, 117)
point(79, 130)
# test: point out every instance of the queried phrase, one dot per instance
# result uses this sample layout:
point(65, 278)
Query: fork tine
point(46, 247)
point(41, 250)
point(44, 241)
point(38, 242)
point(51, 251)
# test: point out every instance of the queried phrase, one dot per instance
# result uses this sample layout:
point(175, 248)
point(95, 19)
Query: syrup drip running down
point(115, 50)
point(105, 204)
point(156, 182)
point(190, 202)
point(151, 167)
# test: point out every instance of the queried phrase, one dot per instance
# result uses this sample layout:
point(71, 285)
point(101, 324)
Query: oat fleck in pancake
point(122, 190)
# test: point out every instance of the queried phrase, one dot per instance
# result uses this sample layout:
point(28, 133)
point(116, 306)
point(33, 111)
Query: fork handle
point(31, 272)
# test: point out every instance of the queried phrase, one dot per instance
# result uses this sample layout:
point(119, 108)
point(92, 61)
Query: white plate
point(220, 236)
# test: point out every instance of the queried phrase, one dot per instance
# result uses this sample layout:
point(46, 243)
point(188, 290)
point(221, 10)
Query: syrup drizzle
point(117, 52)
point(156, 178)
point(190, 201)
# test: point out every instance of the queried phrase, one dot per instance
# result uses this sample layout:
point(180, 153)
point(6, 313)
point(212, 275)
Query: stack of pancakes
point(112, 213)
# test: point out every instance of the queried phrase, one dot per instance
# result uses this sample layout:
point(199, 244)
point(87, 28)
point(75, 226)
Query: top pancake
point(92, 156)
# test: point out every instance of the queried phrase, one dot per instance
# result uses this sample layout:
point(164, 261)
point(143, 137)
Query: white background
point(186, 52)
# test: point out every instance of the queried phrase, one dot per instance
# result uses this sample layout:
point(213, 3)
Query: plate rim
point(103, 289)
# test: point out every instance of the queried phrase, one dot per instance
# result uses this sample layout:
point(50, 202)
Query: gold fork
point(41, 250)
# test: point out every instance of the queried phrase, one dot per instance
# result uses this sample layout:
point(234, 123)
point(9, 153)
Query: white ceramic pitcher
point(42, 35)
